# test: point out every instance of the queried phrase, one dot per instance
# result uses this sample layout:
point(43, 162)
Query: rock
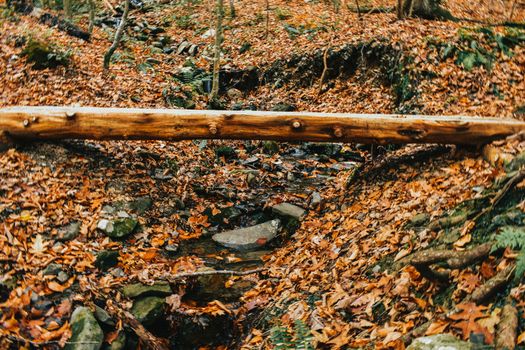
point(172, 248)
point(212, 287)
point(226, 215)
point(148, 310)
point(516, 163)
point(270, 147)
point(439, 342)
point(69, 232)
point(103, 317)
point(419, 220)
point(250, 237)
point(315, 200)
point(194, 49)
point(43, 55)
point(52, 269)
point(141, 204)
point(117, 228)
point(86, 332)
point(208, 34)
point(289, 210)
point(182, 47)
point(234, 94)
point(106, 259)
point(62, 277)
point(323, 148)
point(225, 151)
point(283, 107)
point(139, 289)
point(119, 343)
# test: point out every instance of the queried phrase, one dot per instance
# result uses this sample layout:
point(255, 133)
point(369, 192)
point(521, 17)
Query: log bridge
point(52, 123)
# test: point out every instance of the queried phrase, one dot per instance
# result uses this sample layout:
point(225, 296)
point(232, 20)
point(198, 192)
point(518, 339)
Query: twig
point(214, 272)
point(325, 69)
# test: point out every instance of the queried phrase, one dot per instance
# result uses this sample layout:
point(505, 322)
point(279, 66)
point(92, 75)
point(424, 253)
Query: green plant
point(184, 22)
point(299, 338)
point(282, 14)
point(513, 237)
point(44, 55)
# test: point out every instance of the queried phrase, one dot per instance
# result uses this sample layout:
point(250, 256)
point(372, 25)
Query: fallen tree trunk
point(47, 123)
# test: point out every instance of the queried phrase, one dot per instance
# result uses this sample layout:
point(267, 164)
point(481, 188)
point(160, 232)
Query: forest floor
point(392, 247)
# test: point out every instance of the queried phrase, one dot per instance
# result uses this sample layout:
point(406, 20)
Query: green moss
point(43, 55)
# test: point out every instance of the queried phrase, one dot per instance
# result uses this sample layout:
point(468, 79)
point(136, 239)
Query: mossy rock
point(43, 55)
point(148, 310)
point(86, 332)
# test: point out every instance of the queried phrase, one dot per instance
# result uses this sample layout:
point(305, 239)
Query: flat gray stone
point(249, 237)
point(86, 332)
point(439, 342)
point(290, 210)
point(69, 232)
point(119, 228)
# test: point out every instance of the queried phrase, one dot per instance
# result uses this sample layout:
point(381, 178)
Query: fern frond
point(281, 338)
point(520, 265)
point(303, 336)
point(510, 236)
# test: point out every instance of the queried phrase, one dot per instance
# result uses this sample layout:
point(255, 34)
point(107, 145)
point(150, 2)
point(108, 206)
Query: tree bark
point(47, 123)
point(118, 35)
point(217, 55)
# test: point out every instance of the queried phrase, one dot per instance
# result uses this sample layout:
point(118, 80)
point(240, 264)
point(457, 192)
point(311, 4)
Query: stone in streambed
point(148, 310)
point(86, 332)
point(289, 210)
point(249, 237)
point(106, 259)
point(117, 228)
point(139, 289)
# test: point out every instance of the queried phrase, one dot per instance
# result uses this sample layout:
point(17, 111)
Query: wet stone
point(106, 259)
point(289, 210)
point(103, 317)
point(52, 269)
point(249, 237)
point(86, 332)
point(148, 310)
point(139, 289)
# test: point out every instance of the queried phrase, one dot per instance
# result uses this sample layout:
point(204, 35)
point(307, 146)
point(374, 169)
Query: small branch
point(214, 272)
point(490, 287)
point(507, 328)
point(467, 257)
point(325, 69)
point(118, 35)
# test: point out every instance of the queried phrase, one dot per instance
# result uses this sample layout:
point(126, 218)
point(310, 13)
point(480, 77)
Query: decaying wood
point(147, 338)
point(494, 284)
point(163, 124)
point(470, 256)
point(507, 328)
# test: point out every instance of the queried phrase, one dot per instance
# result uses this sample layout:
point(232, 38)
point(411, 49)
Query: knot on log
point(296, 124)
point(338, 132)
point(213, 128)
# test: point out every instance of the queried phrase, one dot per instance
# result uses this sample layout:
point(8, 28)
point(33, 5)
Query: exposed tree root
point(487, 290)
point(454, 259)
point(507, 328)
point(394, 159)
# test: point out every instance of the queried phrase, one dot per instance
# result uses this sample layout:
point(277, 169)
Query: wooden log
point(48, 123)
